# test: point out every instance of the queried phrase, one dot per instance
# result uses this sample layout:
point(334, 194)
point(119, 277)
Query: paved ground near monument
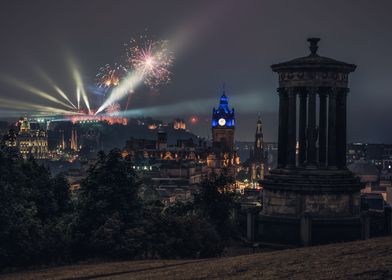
point(370, 259)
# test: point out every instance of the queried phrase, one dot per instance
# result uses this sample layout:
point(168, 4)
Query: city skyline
point(141, 139)
point(216, 44)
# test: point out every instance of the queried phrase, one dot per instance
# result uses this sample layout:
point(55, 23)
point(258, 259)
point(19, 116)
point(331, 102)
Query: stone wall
point(294, 204)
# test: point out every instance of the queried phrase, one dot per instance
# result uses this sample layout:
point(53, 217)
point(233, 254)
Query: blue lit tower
point(223, 124)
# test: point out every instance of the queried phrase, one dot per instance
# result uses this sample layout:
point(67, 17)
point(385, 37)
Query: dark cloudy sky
point(220, 41)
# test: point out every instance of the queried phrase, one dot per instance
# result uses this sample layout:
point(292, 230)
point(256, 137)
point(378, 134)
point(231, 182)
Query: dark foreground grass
point(371, 259)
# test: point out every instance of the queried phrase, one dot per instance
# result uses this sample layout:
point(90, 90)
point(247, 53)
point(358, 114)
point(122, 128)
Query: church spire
point(259, 140)
point(259, 128)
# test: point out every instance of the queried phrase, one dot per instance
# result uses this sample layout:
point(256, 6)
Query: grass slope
point(371, 259)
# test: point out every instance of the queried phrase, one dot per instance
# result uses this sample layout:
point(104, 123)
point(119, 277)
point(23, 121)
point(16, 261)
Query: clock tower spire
point(223, 124)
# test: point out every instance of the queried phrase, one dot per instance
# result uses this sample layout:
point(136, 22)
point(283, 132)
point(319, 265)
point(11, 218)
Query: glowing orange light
point(194, 120)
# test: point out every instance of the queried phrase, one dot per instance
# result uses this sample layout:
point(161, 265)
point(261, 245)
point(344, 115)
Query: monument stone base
point(310, 206)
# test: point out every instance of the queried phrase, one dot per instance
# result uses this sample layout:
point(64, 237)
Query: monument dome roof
point(314, 62)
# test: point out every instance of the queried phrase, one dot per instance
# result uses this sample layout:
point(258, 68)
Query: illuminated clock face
point(222, 122)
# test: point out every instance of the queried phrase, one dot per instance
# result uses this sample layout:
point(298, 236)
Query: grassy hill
point(371, 259)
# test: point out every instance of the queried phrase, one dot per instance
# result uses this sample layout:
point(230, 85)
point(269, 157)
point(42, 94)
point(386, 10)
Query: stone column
point(250, 226)
point(388, 218)
point(365, 225)
point(306, 230)
point(283, 121)
point(323, 129)
point(302, 127)
point(332, 128)
point(312, 128)
point(341, 126)
point(292, 128)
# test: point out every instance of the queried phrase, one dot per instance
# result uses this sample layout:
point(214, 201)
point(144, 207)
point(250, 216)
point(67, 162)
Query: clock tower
point(223, 124)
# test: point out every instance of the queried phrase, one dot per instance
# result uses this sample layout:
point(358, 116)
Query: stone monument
point(311, 197)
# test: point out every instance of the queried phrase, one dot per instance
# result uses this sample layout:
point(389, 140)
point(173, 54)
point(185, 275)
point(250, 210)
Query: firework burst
point(113, 109)
point(151, 59)
point(110, 76)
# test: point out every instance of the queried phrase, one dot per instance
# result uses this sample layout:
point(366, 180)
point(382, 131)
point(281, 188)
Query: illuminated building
point(91, 117)
point(31, 141)
point(74, 140)
point(176, 169)
point(162, 140)
point(152, 126)
point(160, 150)
point(223, 154)
point(223, 125)
point(368, 174)
point(62, 144)
point(10, 139)
point(179, 124)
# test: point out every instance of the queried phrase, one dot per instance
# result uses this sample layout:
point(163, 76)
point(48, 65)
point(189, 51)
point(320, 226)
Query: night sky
point(231, 42)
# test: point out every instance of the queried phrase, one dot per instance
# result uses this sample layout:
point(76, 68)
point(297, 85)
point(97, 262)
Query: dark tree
point(31, 216)
point(178, 232)
point(216, 203)
point(108, 208)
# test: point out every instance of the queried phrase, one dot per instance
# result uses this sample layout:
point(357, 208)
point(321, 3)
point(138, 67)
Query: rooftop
point(363, 167)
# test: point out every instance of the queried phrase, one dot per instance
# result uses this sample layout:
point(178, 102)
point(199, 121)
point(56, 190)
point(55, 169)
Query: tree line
point(43, 222)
